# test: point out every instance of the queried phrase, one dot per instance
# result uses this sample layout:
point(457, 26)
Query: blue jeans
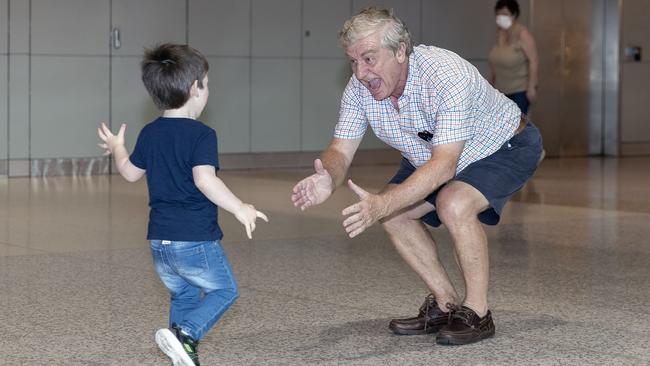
point(200, 281)
point(521, 99)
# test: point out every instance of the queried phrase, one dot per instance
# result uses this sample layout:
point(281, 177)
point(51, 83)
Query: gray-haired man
point(466, 149)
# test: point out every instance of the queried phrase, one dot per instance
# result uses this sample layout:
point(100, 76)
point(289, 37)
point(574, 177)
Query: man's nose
point(361, 71)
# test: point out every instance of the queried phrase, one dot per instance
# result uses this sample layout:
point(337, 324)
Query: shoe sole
point(172, 347)
point(407, 332)
point(450, 341)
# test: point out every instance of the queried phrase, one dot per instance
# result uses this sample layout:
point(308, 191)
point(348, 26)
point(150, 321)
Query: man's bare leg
point(458, 205)
point(416, 246)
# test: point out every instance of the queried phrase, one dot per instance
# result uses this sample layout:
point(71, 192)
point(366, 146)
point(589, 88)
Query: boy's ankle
point(189, 344)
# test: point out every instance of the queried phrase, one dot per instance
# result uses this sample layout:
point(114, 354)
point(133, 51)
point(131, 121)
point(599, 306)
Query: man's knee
point(454, 206)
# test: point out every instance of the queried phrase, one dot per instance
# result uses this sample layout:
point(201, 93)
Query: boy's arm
point(114, 144)
point(216, 191)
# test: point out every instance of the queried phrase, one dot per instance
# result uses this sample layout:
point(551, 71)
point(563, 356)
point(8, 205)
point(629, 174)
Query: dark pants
point(497, 176)
point(521, 99)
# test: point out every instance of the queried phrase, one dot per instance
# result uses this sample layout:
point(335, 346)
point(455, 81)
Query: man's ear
point(194, 90)
point(401, 52)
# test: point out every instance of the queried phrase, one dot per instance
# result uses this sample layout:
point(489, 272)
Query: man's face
point(376, 67)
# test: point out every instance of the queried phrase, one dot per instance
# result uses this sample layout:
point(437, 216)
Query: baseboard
point(100, 165)
point(635, 148)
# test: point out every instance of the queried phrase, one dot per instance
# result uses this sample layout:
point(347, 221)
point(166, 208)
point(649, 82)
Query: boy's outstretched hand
point(111, 141)
point(247, 214)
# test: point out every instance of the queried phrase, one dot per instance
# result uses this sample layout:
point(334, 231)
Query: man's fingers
point(107, 152)
point(352, 219)
point(350, 210)
point(318, 166)
point(358, 190)
point(103, 146)
point(354, 227)
point(262, 216)
point(301, 201)
point(357, 232)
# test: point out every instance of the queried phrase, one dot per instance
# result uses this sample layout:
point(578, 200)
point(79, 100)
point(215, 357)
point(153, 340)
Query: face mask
point(504, 21)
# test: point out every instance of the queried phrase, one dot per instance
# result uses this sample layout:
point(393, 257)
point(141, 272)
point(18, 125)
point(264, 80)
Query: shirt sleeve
point(352, 120)
point(205, 151)
point(138, 157)
point(452, 121)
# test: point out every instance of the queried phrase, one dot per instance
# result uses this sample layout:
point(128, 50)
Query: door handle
point(115, 35)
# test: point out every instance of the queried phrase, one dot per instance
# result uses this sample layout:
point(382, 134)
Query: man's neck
point(401, 85)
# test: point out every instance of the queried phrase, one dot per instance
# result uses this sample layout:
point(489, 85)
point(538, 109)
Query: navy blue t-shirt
point(168, 149)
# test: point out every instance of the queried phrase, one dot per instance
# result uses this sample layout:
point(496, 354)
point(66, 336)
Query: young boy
point(179, 155)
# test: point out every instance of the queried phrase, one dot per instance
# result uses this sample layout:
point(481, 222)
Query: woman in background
point(513, 59)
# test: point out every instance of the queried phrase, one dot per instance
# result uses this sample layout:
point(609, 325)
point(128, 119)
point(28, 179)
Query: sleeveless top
point(510, 66)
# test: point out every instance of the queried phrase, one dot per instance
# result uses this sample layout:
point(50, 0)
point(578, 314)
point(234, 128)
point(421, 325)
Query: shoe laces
point(465, 314)
point(428, 302)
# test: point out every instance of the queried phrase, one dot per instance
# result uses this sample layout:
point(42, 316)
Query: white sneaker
point(168, 343)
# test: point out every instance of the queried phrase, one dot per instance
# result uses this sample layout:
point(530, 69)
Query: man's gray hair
point(371, 20)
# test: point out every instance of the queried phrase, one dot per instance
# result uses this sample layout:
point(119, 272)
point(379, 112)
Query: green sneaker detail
point(189, 345)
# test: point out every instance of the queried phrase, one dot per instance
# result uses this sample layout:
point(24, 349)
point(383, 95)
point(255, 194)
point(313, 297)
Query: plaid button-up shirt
point(445, 97)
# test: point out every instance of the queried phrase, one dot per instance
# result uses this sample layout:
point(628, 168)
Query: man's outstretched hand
point(364, 213)
point(314, 189)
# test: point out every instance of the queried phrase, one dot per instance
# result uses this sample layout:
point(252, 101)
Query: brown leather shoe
point(466, 327)
point(429, 320)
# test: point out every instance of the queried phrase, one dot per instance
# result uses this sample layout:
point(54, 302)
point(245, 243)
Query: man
point(466, 149)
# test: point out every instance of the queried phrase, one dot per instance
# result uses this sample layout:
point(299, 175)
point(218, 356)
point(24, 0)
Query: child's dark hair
point(168, 72)
point(512, 6)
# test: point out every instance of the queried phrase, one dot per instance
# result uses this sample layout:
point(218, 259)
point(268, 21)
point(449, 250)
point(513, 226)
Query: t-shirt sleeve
point(205, 151)
point(452, 120)
point(138, 157)
point(352, 120)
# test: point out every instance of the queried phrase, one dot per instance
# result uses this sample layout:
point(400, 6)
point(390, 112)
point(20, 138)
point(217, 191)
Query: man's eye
point(369, 60)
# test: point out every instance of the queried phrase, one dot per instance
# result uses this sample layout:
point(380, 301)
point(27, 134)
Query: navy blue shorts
point(497, 176)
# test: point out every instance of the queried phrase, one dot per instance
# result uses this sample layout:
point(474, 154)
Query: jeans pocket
point(191, 261)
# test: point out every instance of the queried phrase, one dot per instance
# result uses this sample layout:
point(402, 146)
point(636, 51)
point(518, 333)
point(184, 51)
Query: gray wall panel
point(275, 110)
point(276, 28)
point(323, 82)
point(19, 107)
point(4, 139)
point(466, 27)
point(228, 109)
point(4, 24)
point(144, 23)
point(220, 27)
point(323, 20)
point(70, 27)
point(131, 103)
point(68, 98)
point(19, 26)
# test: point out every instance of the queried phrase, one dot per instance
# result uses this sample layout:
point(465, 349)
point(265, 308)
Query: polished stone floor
point(570, 275)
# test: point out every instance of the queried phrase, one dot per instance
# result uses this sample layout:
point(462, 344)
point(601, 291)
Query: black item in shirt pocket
point(425, 135)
